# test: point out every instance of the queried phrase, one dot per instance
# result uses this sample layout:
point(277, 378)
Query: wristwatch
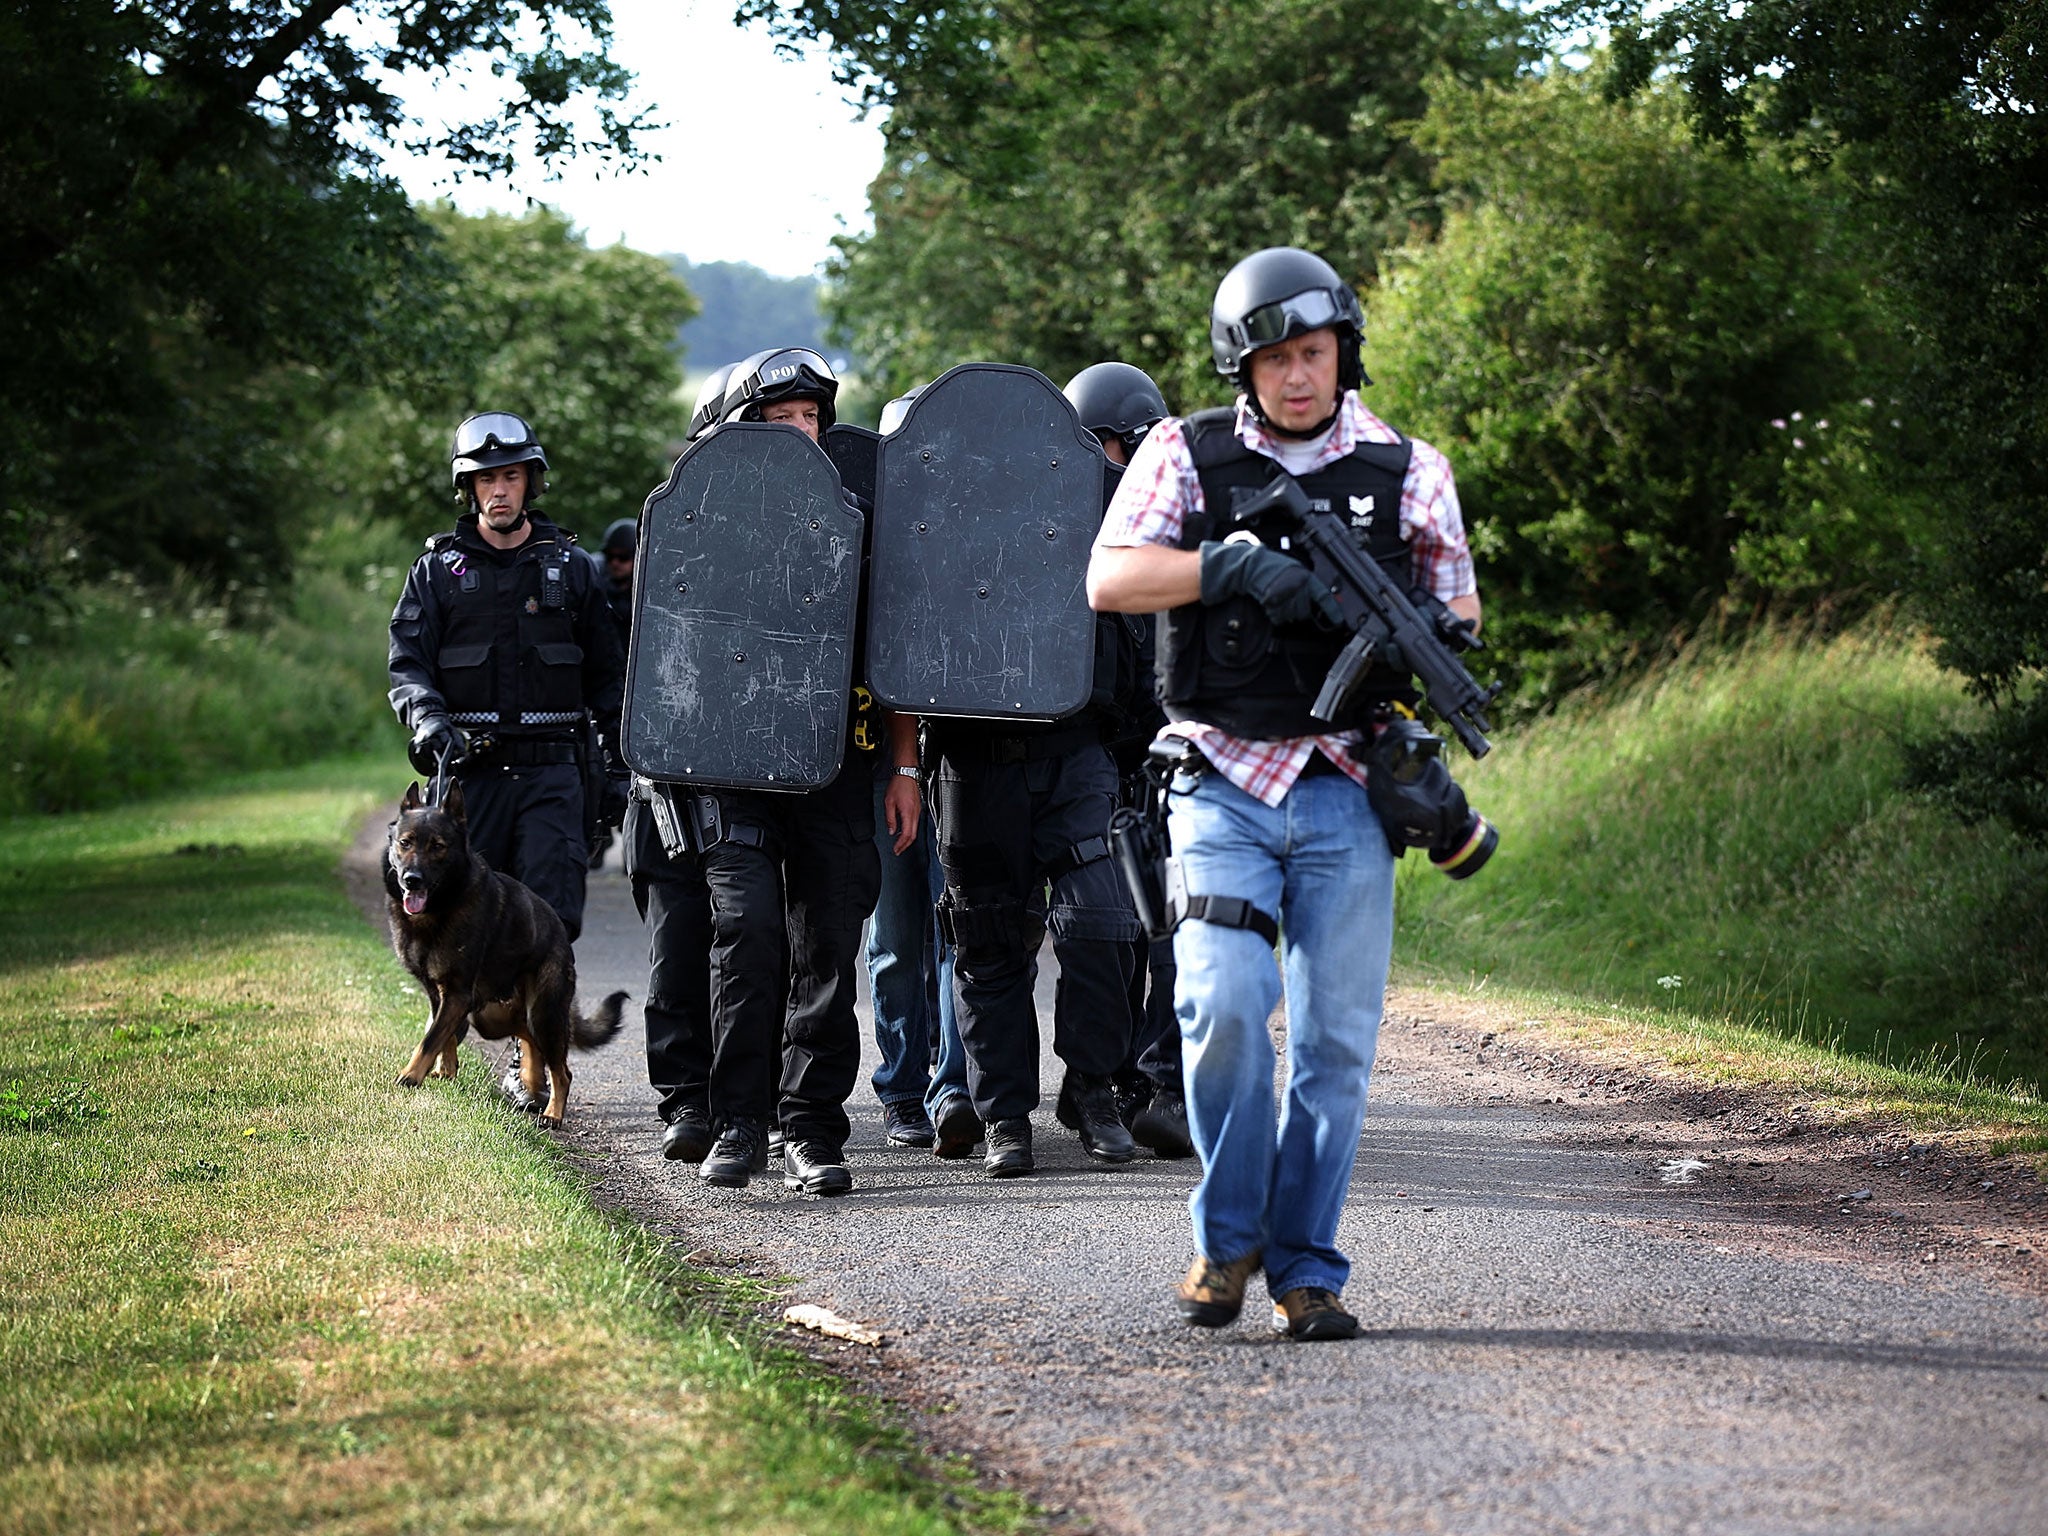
point(909, 773)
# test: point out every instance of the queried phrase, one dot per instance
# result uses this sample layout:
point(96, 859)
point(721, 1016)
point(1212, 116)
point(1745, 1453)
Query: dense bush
point(1650, 363)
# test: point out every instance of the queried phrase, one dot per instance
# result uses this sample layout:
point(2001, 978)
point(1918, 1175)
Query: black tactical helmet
point(704, 414)
point(622, 538)
point(1117, 400)
point(491, 440)
point(1277, 293)
point(788, 373)
point(894, 412)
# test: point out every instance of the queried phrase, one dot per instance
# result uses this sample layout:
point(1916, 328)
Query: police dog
point(491, 955)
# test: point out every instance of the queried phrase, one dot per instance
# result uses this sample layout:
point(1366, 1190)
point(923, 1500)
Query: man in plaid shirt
point(1274, 832)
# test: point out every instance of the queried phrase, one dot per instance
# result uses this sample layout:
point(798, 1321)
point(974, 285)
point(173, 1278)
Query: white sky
point(764, 160)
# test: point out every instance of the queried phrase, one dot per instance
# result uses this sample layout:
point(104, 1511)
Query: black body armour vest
point(509, 655)
point(1229, 665)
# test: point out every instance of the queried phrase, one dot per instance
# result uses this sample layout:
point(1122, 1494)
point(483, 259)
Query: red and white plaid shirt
point(1160, 489)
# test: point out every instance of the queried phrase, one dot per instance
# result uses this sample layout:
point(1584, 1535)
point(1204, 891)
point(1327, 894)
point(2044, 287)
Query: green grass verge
point(251, 1285)
point(1723, 845)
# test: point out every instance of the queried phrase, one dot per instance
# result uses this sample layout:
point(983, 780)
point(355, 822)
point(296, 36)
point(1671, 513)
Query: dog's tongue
point(415, 902)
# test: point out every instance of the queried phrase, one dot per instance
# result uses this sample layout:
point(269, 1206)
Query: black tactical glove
point(618, 792)
point(618, 786)
point(1283, 586)
point(433, 738)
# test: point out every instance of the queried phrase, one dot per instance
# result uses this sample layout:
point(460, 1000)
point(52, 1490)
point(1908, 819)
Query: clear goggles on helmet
point(1296, 316)
point(493, 429)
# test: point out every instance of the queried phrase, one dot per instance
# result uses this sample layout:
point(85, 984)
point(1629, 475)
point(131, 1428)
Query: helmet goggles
point(491, 430)
point(1296, 316)
point(796, 371)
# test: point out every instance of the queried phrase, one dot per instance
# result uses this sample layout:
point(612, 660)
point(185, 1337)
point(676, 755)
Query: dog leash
point(442, 767)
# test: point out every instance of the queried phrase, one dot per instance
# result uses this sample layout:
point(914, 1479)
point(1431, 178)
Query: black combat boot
point(957, 1128)
point(688, 1137)
point(1088, 1107)
point(1162, 1124)
point(740, 1152)
point(1009, 1148)
point(815, 1167)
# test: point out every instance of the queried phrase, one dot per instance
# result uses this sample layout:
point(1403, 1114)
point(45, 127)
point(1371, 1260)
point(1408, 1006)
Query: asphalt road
point(1559, 1337)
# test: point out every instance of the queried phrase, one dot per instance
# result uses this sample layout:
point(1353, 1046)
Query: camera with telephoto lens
point(1420, 805)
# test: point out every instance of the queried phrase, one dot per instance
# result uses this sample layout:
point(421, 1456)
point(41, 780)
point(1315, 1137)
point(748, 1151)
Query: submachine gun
point(1418, 802)
point(1386, 624)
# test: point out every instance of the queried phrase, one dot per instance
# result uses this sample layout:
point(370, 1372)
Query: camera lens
point(1469, 851)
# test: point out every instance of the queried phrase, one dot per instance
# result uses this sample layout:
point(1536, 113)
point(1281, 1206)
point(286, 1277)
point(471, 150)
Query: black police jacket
point(517, 644)
point(1228, 664)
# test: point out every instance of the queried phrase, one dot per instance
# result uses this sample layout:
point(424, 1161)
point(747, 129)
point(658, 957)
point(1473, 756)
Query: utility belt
point(519, 751)
point(974, 746)
point(692, 821)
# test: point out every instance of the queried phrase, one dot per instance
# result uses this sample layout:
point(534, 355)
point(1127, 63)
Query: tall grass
point(122, 691)
point(1726, 837)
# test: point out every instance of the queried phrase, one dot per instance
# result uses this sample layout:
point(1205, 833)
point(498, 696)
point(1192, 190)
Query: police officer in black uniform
point(1023, 811)
point(1120, 404)
point(675, 903)
point(502, 649)
point(792, 877)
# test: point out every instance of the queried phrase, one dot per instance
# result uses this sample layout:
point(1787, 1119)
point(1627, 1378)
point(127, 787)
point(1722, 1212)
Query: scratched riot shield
point(745, 592)
point(852, 452)
point(987, 498)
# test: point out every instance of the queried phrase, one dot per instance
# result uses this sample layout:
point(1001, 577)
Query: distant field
point(253, 1286)
point(1726, 840)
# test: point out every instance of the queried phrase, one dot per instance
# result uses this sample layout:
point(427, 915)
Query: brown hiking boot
point(1213, 1294)
point(1309, 1313)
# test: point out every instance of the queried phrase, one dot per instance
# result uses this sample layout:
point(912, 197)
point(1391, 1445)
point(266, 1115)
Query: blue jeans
point(1320, 864)
point(910, 971)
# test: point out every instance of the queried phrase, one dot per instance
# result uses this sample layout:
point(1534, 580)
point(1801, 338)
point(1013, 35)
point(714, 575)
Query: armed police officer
point(791, 880)
point(1120, 404)
point(502, 650)
point(1271, 827)
point(672, 899)
point(1023, 813)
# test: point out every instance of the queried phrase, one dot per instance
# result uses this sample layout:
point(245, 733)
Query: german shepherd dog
point(491, 955)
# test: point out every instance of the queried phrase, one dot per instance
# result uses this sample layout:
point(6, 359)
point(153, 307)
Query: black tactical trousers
point(790, 886)
point(527, 822)
point(1006, 831)
point(676, 906)
point(1155, 1035)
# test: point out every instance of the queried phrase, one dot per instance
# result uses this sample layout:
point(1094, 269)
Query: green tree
point(1068, 183)
point(1643, 357)
point(194, 241)
point(1940, 116)
point(581, 342)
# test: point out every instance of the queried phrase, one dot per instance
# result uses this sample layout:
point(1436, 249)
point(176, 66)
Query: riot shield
point(745, 594)
point(852, 452)
point(987, 498)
